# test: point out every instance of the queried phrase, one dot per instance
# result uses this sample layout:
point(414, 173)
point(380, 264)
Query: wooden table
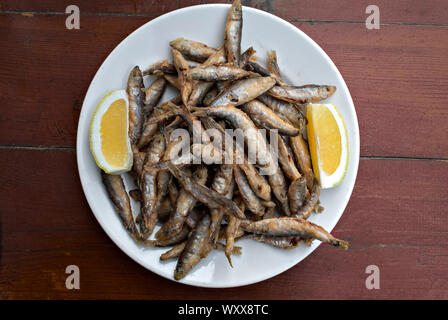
point(397, 217)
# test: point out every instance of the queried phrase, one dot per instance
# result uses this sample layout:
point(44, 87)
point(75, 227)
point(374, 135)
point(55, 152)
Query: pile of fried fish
point(207, 206)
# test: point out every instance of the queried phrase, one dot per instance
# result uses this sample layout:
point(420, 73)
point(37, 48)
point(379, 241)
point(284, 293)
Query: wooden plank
point(396, 219)
point(398, 11)
point(397, 78)
point(147, 7)
point(48, 73)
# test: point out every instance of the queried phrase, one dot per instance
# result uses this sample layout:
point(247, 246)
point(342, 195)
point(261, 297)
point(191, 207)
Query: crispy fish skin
point(173, 192)
point(273, 65)
point(242, 91)
point(218, 57)
point(278, 185)
point(155, 151)
point(222, 184)
point(251, 200)
point(309, 204)
point(148, 217)
point(163, 180)
point(163, 177)
point(296, 196)
point(289, 226)
point(193, 123)
point(166, 67)
point(165, 116)
point(210, 96)
point(175, 251)
point(164, 210)
point(193, 50)
point(252, 135)
point(300, 150)
point(222, 85)
point(148, 186)
point(231, 231)
point(232, 33)
point(286, 160)
point(117, 193)
point(235, 250)
point(153, 94)
point(210, 153)
point(185, 202)
point(258, 68)
point(138, 161)
point(310, 93)
point(162, 65)
point(186, 86)
point(266, 118)
point(136, 98)
point(221, 72)
point(287, 243)
point(222, 180)
point(149, 127)
point(270, 213)
point(177, 238)
point(175, 223)
point(256, 181)
point(198, 93)
point(245, 57)
point(196, 248)
point(209, 197)
point(194, 216)
point(172, 79)
point(136, 194)
point(201, 88)
point(217, 215)
point(283, 109)
point(318, 208)
point(223, 231)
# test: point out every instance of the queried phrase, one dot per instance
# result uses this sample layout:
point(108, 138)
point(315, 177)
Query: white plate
point(301, 61)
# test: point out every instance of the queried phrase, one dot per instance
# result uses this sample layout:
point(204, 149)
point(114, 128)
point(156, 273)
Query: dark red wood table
point(397, 217)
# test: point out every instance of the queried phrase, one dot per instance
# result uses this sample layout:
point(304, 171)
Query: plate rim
point(135, 257)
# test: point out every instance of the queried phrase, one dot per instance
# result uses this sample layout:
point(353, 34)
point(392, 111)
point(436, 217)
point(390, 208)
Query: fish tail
point(340, 243)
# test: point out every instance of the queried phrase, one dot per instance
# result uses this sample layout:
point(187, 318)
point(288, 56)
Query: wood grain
point(393, 221)
point(397, 11)
point(396, 218)
point(400, 68)
point(396, 77)
point(48, 73)
point(146, 7)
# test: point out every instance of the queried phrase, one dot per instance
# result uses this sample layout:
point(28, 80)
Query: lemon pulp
point(327, 138)
point(114, 134)
point(329, 143)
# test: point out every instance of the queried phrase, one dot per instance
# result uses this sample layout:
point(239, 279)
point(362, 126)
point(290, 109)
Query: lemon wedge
point(327, 138)
point(109, 140)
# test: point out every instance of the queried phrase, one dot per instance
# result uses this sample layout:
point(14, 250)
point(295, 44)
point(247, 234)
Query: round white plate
point(301, 61)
